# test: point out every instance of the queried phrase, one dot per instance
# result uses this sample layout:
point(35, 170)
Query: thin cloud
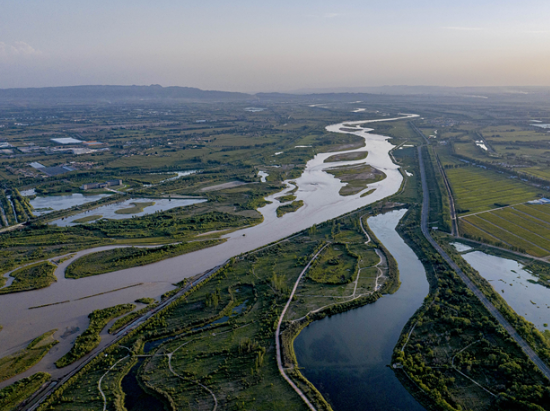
point(17, 49)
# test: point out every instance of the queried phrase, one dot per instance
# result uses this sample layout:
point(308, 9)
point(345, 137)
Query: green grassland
point(357, 177)
point(336, 265)
point(23, 360)
point(32, 277)
point(476, 189)
point(13, 395)
point(289, 208)
point(90, 338)
point(220, 334)
point(360, 155)
point(121, 258)
point(137, 208)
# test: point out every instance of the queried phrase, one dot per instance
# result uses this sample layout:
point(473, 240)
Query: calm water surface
point(511, 281)
point(347, 356)
point(62, 202)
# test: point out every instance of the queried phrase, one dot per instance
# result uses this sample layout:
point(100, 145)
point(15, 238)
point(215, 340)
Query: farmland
point(522, 227)
point(476, 189)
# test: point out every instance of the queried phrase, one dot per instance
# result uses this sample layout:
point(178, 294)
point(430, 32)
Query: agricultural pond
point(110, 210)
point(347, 356)
point(46, 204)
point(513, 283)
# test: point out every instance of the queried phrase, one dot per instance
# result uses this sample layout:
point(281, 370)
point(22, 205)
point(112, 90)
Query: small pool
point(46, 204)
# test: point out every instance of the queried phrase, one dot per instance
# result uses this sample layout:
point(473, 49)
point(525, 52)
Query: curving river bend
point(318, 189)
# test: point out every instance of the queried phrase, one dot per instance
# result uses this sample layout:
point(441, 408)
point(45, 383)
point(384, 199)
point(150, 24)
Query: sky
point(282, 45)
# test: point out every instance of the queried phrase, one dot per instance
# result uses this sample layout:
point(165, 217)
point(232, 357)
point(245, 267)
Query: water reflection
point(347, 356)
point(515, 285)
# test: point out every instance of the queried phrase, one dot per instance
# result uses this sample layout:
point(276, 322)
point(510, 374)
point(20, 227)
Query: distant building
point(92, 186)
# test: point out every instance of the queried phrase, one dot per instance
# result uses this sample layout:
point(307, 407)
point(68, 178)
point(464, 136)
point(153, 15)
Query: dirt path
point(278, 333)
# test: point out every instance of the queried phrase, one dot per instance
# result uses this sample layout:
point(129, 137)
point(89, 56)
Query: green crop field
point(522, 227)
point(476, 189)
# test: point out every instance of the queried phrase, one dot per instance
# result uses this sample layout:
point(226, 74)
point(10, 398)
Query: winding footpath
point(278, 333)
point(490, 307)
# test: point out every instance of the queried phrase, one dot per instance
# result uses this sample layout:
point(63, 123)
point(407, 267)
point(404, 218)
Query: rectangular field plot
point(522, 227)
point(476, 189)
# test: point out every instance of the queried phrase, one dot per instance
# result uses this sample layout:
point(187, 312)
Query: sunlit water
point(318, 189)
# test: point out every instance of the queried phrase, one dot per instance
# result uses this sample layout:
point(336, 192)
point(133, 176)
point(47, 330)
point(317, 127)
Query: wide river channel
point(347, 356)
point(318, 189)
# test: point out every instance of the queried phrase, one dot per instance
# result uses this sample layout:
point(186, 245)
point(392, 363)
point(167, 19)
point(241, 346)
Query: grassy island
point(137, 208)
point(357, 177)
point(31, 278)
point(289, 208)
point(358, 155)
point(120, 258)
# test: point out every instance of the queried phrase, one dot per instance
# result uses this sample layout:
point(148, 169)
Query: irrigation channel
point(347, 356)
point(318, 190)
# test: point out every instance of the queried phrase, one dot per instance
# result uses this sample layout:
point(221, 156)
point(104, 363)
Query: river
point(346, 356)
point(318, 189)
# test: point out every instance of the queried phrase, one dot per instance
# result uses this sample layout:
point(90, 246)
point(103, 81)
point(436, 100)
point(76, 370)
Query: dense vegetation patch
point(357, 177)
point(289, 208)
point(358, 155)
point(120, 258)
point(31, 278)
point(14, 394)
point(336, 265)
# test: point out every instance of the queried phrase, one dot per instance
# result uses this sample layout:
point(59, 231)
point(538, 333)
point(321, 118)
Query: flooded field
point(515, 285)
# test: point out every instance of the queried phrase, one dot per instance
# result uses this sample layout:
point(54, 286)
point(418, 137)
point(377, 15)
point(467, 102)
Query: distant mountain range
point(112, 94)
point(117, 93)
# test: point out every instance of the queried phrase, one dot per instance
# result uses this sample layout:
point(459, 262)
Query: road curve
point(490, 307)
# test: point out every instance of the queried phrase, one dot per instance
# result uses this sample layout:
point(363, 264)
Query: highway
point(490, 307)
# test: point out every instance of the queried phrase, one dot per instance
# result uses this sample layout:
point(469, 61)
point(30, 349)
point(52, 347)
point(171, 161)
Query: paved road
point(454, 221)
point(492, 309)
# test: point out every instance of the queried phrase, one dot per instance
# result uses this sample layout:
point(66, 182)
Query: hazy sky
point(279, 45)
